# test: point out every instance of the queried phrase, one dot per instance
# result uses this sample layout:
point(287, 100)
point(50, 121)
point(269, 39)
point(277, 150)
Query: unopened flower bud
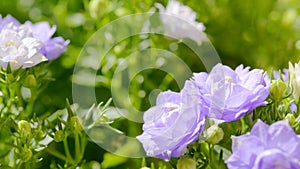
point(38, 135)
point(76, 123)
point(10, 77)
point(291, 118)
point(26, 155)
point(59, 136)
point(97, 8)
point(30, 81)
point(214, 134)
point(295, 80)
point(24, 128)
point(186, 163)
point(278, 90)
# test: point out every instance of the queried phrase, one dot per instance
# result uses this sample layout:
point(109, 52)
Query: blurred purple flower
point(293, 107)
point(228, 94)
point(274, 146)
point(53, 47)
point(180, 21)
point(281, 75)
point(173, 123)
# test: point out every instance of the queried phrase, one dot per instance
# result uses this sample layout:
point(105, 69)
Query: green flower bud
point(291, 118)
point(24, 128)
point(30, 81)
point(26, 155)
point(214, 134)
point(39, 135)
point(10, 77)
point(97, 8)
point(76, 123)
point(278, 90)
point(186, 163)
point(59, 136)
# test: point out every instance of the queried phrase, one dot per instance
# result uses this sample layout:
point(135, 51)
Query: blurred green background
point(261, 34)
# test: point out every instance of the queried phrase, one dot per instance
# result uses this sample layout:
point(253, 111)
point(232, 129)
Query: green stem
point(27, 166)
point(67, 151)
point(77, 147)
point(20, 99)
point(19, 165)
point(57, 154)
point(29, 106)
point(83, 145)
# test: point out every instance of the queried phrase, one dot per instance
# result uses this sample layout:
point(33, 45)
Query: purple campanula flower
point(173, 123)
point(180, 21)
point(18, 48)
point(228, 94)
point(41, 31)
point(274, 146)
point(53, 47)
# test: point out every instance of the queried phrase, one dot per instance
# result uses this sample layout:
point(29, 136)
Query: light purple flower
point(274, 146)
point(53, 47)
point(173, 123)
point(180, 21)
point(228, 94)
point(18, 48)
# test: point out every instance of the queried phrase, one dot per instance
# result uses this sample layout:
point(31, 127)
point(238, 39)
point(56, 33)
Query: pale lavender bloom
point(274, 146)
point(180, 22)
point(228, 94)
point(18, 48)
point(173, 123)
point(53, 47)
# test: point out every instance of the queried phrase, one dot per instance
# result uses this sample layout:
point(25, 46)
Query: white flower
point(295, 79)
point(180, 22)
point(19, 48)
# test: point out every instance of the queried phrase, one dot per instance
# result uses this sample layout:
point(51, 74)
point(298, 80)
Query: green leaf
point(111, 160)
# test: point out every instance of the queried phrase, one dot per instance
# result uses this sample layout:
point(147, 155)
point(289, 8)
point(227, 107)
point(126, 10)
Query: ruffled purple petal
point(54, 47)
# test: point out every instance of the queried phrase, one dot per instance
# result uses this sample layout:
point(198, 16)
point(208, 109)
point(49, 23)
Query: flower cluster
point(26, 45)
point(178, 118)
point(225, 97)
